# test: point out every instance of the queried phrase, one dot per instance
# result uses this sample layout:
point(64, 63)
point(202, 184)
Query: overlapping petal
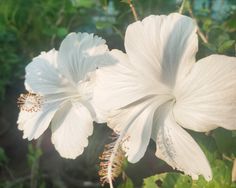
point(206, 99)
point(71, 126)
point(162, 47)
point(64, 80)
point(43, 77)
point(135, 124)
point(81, 53)
point(160, 64)
point(175, 146)
point(119, 85)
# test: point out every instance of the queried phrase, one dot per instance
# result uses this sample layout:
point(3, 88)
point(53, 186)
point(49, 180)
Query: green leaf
point(207, 144)
point(103, 25)
point(62, 32)
point(224, 140)
point(34, 154)
point(83, 3)
point(211, 47)
point(234, 133)
point(207, 23)
point(127, 184)
point(124, 1)
point(226, 45)
point(150, 182)
point(168, 180)
point(221, 178)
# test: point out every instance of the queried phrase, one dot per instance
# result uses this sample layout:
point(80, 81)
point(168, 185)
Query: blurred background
point(28, 27)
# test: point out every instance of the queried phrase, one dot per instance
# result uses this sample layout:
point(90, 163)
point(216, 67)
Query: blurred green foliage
point(28, 27)
point(220, 150)
point(3, 157)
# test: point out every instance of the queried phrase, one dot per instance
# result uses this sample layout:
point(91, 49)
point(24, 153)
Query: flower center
point(30, 102)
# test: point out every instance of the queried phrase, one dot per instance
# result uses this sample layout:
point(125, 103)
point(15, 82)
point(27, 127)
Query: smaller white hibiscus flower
point(156, 90)
point(60, 85)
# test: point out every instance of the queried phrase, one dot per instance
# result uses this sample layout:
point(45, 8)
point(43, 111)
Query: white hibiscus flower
point(157, 89)
point(60, 85)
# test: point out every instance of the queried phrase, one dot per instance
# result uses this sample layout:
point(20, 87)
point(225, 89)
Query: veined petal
point(33, 124)
point(82, 53)
point(42, 76)
point(119, 85)
point(206, 99)
point(175, 146)
point(71, 126)
point(162, 47)
point(135, 124)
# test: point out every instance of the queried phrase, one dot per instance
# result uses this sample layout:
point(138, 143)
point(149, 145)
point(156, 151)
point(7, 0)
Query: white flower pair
point(153, 91)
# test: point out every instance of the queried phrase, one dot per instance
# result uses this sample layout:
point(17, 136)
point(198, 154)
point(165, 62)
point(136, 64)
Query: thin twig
point(227, 158)
point(133, 10)
point(234, 171)
point(200, 33)
point(182, 7)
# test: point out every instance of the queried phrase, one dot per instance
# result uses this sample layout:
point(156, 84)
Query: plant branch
point(234, 171)
point(133, 10)
point(227, 158)
point(199, 31)
point(182, 7)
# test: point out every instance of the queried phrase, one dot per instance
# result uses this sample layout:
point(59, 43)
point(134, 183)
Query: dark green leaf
point(226, 45)
point(126, 184)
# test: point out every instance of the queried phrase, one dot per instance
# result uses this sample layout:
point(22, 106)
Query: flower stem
point(35, 167)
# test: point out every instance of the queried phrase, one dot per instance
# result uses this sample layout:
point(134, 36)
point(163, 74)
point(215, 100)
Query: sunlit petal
point(33, 124)
point(71, 126)
point(206, 99)
point(134, 123)
point(43, 77)
point(162, 47)
point(119, 85)
point(81, 53)
point(175, 146)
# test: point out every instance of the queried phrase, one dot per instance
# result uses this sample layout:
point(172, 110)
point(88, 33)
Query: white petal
point(175, 146)
point(33, 124)
point(81, 53)
point(206, 99)
point(163, 47)
point(135, 123)
point(71, 126)
point(43, 77)
point(119, 85)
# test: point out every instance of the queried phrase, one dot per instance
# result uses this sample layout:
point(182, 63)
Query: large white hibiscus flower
point(60, 85)
point(157, 89)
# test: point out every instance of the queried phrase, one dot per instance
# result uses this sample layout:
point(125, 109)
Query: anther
point(29, 102)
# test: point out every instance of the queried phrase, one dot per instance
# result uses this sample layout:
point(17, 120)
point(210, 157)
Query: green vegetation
point(28, 27)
